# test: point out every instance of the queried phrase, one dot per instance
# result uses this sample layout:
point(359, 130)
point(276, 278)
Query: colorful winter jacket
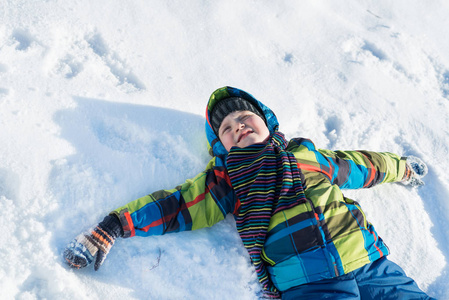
point(323, 238)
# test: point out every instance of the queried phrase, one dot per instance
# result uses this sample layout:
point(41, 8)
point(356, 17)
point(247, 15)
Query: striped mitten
point(80, 252)
point(415, 170)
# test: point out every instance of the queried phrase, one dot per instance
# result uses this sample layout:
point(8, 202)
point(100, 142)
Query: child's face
point(241, 129)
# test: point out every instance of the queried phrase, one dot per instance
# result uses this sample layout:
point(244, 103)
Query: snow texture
point(101, 103)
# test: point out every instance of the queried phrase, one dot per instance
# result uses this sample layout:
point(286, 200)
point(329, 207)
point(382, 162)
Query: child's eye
point(225, 129)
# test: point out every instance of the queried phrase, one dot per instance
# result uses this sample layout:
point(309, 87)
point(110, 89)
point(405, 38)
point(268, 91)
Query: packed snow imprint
point(23, 38)
point(70, 56)
point(9, 184)
point(116, 65)
point(445, 84)
point(70, 66)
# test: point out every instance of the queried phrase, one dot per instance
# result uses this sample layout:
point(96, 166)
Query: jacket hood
point(214, 145)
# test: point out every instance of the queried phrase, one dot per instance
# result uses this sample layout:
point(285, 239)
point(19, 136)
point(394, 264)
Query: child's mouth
point(244, 135)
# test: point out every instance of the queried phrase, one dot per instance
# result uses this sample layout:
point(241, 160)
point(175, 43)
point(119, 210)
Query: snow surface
point(102, 102)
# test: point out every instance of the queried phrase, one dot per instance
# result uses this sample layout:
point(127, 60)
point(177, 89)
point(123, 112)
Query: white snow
point(102, 102)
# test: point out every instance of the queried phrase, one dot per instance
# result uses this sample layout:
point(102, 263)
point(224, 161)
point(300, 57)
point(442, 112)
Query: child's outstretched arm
point(363, 169)
point(357, 169)
point(200, 202)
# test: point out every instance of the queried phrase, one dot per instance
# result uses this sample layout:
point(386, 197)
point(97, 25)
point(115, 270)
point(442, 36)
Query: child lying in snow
point(304, 238)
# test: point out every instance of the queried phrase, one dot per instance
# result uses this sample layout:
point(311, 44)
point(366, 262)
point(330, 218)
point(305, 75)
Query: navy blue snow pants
point(382, 279)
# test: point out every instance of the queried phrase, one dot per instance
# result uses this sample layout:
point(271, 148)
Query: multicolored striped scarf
point(266, 180)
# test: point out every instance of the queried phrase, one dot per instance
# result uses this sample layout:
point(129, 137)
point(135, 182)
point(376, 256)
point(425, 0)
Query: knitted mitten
point(415, 170)
point(80, 252)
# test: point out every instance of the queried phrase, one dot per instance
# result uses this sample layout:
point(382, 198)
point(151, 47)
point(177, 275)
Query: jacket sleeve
point(199, 202)
point(350, 169)
point(362, 169)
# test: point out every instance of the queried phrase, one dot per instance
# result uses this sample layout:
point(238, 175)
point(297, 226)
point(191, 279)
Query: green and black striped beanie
point(230, 105)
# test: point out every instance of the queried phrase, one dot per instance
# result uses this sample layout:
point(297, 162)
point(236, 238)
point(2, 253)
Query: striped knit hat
point(230, 105)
